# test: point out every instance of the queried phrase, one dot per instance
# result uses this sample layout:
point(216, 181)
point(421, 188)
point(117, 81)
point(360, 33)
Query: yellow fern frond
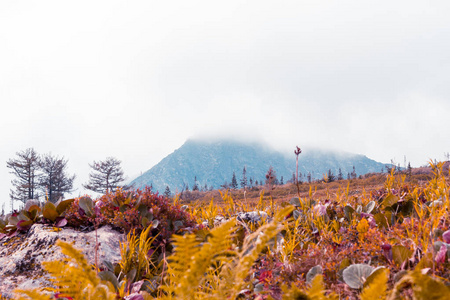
point(72, 276)
point(194, 264)
point(30, 294)
point(317, 290)
point(235, 272)
point(376, 290)
point(134, 253)
point(423, 286)
point(292, 292)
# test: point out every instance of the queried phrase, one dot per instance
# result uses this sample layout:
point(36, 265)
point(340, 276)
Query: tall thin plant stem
point(297, 152)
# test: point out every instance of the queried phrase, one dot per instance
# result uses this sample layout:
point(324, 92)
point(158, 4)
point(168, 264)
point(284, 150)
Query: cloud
point(136, 79)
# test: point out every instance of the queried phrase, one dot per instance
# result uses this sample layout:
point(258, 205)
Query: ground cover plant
point(341, 240)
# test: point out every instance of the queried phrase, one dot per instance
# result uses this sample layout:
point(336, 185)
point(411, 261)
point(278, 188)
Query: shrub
point(132, 210)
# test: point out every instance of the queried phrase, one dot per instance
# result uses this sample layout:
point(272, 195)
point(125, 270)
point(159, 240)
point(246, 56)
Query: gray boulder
point(21, 256)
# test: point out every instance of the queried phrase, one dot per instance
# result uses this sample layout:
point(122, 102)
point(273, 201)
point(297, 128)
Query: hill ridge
point(212, 163)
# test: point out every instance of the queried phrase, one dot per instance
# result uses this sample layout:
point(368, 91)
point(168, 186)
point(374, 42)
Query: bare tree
point(26, 169)
point(106, 176)
point(54, 180)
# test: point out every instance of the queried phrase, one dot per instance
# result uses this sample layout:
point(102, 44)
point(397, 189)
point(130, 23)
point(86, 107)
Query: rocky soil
point(21, 256)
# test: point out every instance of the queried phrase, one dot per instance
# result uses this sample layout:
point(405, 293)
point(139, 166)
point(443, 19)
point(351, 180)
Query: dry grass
point(320, 190)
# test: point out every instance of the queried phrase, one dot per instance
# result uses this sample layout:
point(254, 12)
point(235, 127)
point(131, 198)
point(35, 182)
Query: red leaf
point(440, 256)
point(446, 236)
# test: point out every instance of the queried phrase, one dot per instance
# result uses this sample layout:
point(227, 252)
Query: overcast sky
point(135, 79)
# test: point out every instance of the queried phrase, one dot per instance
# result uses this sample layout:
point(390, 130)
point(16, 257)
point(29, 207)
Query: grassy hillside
point(383, 236)
point(319, 189)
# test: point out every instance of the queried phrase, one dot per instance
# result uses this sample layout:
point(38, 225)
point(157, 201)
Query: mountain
point(213, 164)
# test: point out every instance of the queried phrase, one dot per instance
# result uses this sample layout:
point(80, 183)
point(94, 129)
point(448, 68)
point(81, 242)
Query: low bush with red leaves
point(132, 210)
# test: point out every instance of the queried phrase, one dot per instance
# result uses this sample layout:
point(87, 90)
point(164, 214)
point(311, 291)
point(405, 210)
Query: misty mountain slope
point(213, 163)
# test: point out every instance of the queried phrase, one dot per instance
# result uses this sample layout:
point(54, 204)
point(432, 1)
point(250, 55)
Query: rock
point(252, 216)
point(21, 256)
point(248, 217)
point(218, 220)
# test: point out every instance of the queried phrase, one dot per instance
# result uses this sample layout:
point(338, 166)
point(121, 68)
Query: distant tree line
point(249, 182)
point(45, 176)
point(271, 178)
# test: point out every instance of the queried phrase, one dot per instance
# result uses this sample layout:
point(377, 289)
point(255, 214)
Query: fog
point(134, 80)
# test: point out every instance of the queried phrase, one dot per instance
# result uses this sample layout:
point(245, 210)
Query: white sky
point(135, 79)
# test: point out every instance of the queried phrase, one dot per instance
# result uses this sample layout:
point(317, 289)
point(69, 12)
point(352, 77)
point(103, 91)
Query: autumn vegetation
point(382, 236)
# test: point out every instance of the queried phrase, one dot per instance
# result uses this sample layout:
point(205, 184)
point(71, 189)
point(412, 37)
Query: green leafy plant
point(129, 210)
point(32, 213)
point(55, 213)
point(355, 275)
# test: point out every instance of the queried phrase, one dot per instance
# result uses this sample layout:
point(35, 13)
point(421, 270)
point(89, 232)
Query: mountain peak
point(213, 162)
